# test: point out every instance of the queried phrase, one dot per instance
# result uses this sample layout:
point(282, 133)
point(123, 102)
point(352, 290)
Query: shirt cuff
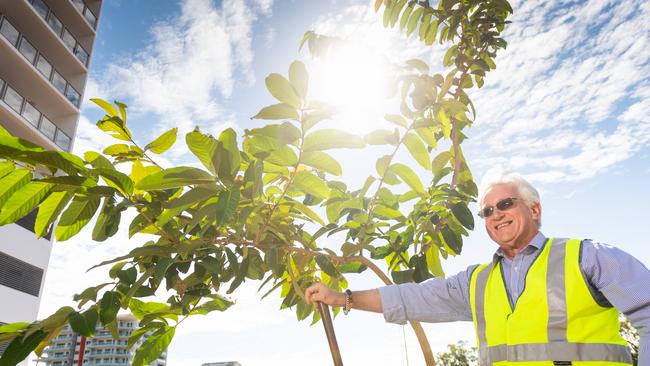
point(392, 304)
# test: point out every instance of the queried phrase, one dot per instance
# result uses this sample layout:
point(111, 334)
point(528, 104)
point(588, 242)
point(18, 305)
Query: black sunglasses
point(503, 205)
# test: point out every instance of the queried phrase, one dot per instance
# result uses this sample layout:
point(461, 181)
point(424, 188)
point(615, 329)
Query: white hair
point(528, 193)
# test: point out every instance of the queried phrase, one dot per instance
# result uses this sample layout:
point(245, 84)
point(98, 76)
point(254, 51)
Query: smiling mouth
point(502, 225)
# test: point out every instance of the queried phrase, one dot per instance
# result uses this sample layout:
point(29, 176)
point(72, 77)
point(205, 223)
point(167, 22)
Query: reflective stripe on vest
point(561, 342)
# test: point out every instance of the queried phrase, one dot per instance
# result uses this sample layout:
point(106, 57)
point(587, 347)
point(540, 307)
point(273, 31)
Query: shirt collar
point(537, 243)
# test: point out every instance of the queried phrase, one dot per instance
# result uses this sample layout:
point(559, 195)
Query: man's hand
point(324, 294)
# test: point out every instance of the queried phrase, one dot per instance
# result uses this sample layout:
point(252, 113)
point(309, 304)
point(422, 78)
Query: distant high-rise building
point(45, 51)
point(67, 348)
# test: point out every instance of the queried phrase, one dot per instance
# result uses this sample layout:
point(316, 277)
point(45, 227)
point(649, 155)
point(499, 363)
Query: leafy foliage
point(259, 204)
point(459, 354)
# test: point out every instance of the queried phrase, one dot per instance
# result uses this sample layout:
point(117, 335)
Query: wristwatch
point(348, 301)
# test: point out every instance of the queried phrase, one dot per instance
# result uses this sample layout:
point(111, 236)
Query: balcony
point(39, 61)
point(33, 125)
point(86, 12)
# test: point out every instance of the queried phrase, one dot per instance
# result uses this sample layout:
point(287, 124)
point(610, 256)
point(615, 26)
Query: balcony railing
point(37, 59)
point(33, 116)
point(86, 12)
point(62, 32)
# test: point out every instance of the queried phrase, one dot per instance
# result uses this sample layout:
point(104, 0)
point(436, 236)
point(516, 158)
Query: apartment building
point(69, 349)
point(45, 53)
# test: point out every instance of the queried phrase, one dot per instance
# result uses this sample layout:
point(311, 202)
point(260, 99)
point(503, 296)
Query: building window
point(27, 50)
point(20, 275)
point(40, 8)
point(68, 39)
point(2, 85)
point(31, 114)
point(90, 17)
point(55, 24)
point(79, 4)
point(13, 99)
point(44, 67)
point(9, 32)
point(73, 96)
point(59, 82)
point(81, 54)
point(47, 128)
point(62, 140)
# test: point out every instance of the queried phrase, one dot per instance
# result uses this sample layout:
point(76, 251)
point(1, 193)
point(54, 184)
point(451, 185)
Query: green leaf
point(299, 78)
point(228, 139)
point(452, 239)
point(115, 127)
point(431, 33)
point(204, 147)
point(227, 205)
point(277, 111)
point(311, 184)
point(382, 137)
point(117, 180)
point(307, 212)
point(153, 346)
point(396, 119)
point(322, 161)
point(400, 277)
point(424, 26)
point(440, 161)
point(463, 214)
point(419, 65)
point(433, 261)
point(218, 303)
point(388, 213)
point(116, 149)
point(24, 201)
point(76, 216)
point(413, 21)
point(6, 167)
point(12, 183)
point(188, 199)
point(163, 142)
point(174, 177)
point(405, 17)
point(49, 210)
point(417, 149)
point(109, 306)
point(284, 133)
point(106, 106)
point(326, 139)
point(108, 221)
point(21, 347)
point(352, 267)
point(408, 176)
point(282, 90)
point(84, 323)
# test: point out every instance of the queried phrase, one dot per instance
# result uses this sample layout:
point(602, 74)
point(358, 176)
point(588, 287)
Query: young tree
point(244, 214)
point(459, 354)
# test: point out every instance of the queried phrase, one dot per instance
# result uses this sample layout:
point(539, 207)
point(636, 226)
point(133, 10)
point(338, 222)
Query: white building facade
point(45, 51)
point(102, 349)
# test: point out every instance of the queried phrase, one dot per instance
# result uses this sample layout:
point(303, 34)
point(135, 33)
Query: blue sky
point(568, 106)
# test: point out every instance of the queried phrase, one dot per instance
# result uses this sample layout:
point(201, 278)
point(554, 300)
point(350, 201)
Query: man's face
point(515, 227)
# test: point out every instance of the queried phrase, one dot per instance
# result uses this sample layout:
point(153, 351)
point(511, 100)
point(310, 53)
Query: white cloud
point(566, 101)
point(193, 61)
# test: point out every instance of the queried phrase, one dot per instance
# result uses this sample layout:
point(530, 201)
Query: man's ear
point(537, 211)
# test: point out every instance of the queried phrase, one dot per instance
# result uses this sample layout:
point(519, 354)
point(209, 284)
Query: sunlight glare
point(355, 81)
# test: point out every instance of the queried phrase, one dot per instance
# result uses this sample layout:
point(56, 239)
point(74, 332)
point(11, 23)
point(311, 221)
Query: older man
point(548, 300)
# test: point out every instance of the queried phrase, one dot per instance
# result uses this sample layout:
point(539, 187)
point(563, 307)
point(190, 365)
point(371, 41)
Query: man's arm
point(624, 281)
point(435, 300)
point(368, 300)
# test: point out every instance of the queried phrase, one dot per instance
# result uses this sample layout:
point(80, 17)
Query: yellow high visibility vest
point(556, 320)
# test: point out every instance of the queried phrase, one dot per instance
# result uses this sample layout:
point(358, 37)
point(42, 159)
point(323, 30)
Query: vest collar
point(537, 243)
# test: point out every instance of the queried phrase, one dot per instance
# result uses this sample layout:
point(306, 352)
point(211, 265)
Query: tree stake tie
point(329, 331)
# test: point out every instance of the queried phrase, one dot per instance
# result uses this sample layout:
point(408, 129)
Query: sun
point(355, 79)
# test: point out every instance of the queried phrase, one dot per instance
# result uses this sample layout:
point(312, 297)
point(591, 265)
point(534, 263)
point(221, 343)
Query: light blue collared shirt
point(614, 276)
